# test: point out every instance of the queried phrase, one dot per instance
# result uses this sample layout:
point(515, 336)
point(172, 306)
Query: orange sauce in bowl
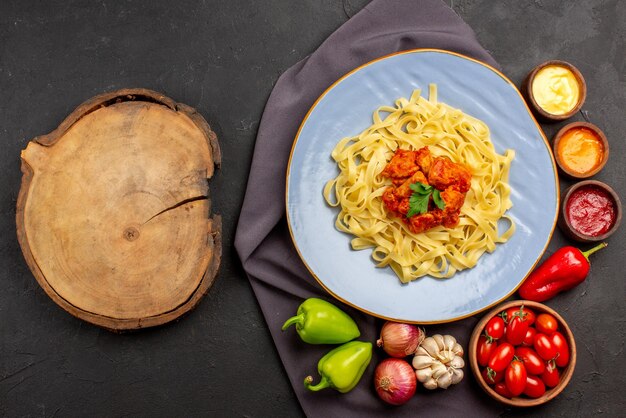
point(580, 150)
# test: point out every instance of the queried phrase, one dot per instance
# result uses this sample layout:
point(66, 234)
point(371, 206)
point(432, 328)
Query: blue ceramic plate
point(345, 109)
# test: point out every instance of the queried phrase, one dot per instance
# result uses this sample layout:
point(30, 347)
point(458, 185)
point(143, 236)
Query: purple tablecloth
point(277, 275)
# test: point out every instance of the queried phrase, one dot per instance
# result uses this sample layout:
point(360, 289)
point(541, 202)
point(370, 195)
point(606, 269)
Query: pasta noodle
point(357, 190)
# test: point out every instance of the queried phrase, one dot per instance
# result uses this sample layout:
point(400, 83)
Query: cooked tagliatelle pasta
point(357, 190)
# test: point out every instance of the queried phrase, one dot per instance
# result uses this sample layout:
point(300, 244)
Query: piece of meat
point(453, 199)
point(390, 200)
point(403, 206)
point(450, 220)
point(423, 159)
point(444, 173)
point(425, 221)
point(397, 198)
point(448, 217)
point(404, 190)
point(402, 165)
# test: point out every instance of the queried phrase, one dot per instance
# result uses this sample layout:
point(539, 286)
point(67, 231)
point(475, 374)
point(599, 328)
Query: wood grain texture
point(113, 214)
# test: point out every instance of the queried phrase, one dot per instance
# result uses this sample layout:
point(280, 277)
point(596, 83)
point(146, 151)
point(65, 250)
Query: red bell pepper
point(566, 268)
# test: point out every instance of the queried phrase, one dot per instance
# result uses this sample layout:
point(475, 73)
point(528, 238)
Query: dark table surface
point(223, 57)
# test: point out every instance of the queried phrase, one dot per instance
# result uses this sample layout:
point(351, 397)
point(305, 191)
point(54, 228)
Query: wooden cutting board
point(114, 215)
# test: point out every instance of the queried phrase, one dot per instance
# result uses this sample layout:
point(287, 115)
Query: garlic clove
point(439, 370)
point(439, 340)
point(457, 376)
point(420, 362)
point(421, 351)
point(430, 345)
point(444, 381)
point(458, 349)
point(457, 362)
point(449, 341)
point(430, 384)
point(424, 375)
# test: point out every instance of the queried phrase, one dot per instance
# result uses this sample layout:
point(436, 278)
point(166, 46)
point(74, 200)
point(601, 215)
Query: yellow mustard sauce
point(556, 89)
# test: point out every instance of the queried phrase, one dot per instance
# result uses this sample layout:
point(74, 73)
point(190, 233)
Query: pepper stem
point(298, 319)
point(594, 249)
point(323, 384)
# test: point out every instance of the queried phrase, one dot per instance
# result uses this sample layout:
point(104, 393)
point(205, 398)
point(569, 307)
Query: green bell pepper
point(320, 322)
point(342, 367)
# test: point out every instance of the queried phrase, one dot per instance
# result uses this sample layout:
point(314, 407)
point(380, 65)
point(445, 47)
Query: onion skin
point(395, 381)
point(400, 340)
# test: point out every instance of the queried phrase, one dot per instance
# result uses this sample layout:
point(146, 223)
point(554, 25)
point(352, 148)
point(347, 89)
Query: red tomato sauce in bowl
point(591, 211)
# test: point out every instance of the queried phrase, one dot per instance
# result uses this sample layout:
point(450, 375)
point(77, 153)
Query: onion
point(400, 340)
point(395, 381)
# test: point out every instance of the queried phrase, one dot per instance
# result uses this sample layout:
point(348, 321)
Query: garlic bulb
point(438, 362)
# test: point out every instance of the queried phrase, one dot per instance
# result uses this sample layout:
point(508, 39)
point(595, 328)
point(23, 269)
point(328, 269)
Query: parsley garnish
point(418, 202)
point(438, 200)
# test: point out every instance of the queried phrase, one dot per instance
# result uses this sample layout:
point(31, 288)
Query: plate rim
point(532, 117)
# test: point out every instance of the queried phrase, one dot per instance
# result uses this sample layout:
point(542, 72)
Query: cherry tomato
point(550, 376)
point(515, 377)
point(544, 347)
point(501, 357)
point(484, 350)
point(534, 387)
point(546, 324)
point(528, 315)
point(530, 337)
point(493, 377)
point(516, 330)
point(533, 363)
point(495, 328)
point(501, 389)
point(562, 348)
point(531, 317)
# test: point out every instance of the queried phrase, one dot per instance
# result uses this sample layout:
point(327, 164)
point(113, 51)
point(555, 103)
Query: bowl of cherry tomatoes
point(522, 353)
